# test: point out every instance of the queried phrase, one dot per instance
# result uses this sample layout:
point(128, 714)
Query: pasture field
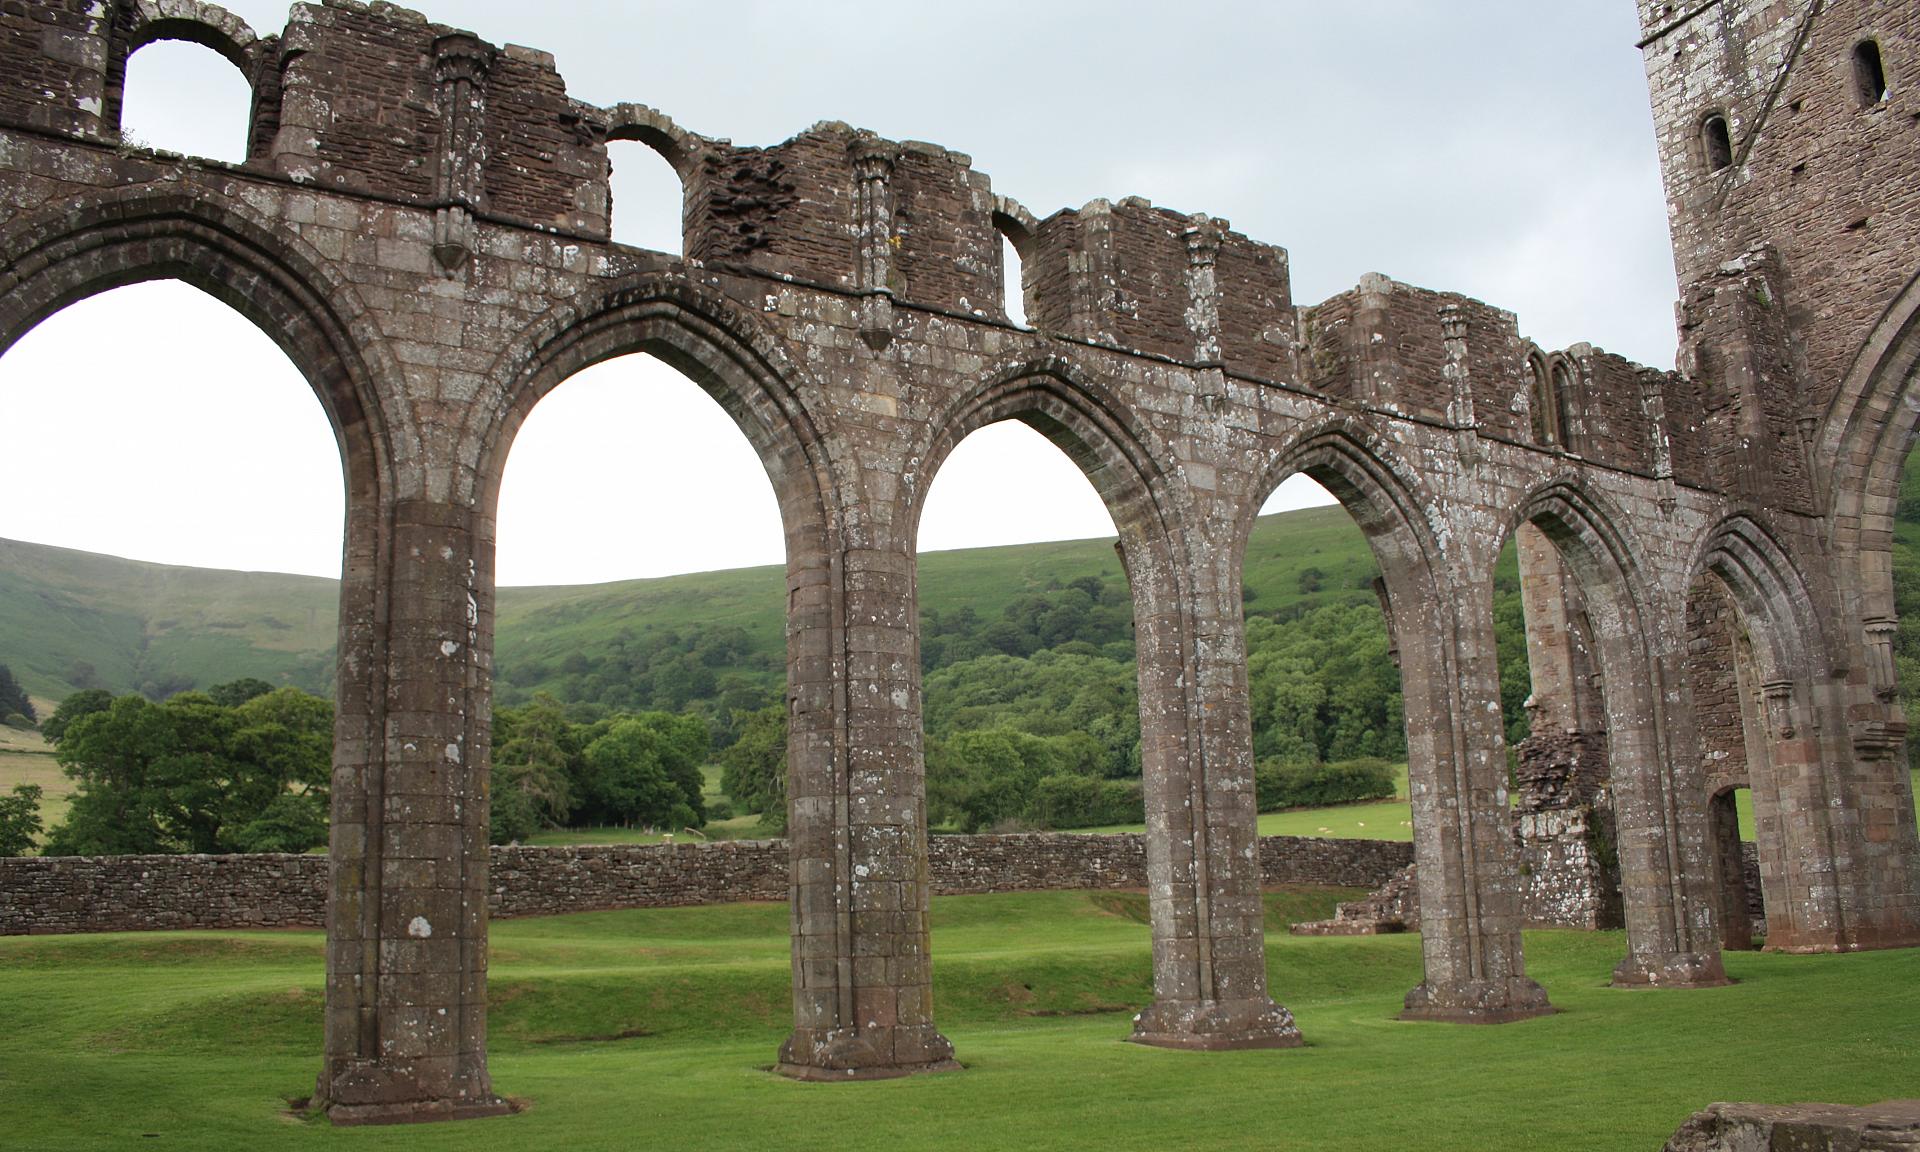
point(27, 759)
point(655, 1029)
point(1374, 820)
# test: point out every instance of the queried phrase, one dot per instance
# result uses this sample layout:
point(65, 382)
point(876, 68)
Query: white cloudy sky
point(1498, 147)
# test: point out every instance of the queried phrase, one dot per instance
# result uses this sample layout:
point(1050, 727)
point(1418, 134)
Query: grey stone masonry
point(1889, 1126)
point(421, 223)
point(62, 894)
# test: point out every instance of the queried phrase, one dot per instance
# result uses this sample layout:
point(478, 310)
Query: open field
point(26, 759)
point(1375, 820)
point(654, 1029)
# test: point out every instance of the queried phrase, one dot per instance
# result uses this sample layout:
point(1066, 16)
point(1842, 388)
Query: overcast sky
point(1502, 149)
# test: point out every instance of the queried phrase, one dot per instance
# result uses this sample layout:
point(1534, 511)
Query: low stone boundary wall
point(133, 893)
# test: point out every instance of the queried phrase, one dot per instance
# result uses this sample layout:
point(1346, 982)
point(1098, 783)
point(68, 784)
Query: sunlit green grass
point(1377, 820)
point(654, 1029)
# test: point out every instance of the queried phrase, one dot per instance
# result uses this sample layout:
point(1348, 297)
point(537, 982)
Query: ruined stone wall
point(421, 225)
point(1714, 678)
point(1818, 174)
point(62, 894)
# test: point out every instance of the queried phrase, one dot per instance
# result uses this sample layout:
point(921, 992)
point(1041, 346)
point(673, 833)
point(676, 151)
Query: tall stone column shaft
point(1203, 847)
point(1467, 864)
point(857, 823)
point(1662, 824)
point(407, 914)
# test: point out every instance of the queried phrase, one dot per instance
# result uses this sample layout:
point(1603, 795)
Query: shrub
point(17, 720)
point(1283, 784)
point(19, 820)
point(719, 810)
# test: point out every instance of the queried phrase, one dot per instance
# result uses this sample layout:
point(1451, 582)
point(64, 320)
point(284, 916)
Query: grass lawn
point(654, 1029)
point(737, 828)
point(1375, 820)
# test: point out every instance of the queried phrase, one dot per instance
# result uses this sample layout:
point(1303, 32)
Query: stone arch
point(770, 398)
point(208, 25)
point(1470, 925)
point(1772, 592)
point(275, 280)
point(1209, 970)
point(1017, 228)
point(1079, 415)
point(1658, 795)
point(1356, 464)
point(1793, 759)
point(1868, 431)
point(681, 149)
point(270, 276)
point(700, 334)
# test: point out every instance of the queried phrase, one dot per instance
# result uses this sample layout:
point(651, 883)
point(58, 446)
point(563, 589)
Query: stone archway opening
point(1743, 907)
point(1325, 696)
point(1030, 711)
point(1473, 967)
point(1606, 795)
point(186, 97)
point(1729, 701)
point(147, 468)
point(1554, 717)
point(632, 503)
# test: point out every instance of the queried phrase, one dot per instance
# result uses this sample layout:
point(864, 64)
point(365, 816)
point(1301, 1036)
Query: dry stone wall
point(64, 894)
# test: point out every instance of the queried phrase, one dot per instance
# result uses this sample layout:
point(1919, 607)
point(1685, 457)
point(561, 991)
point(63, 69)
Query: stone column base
point(1478, 1001)
point(1873, 938)
point(1671, 970)
point(368, 1092)
point(417, 1112)
point(877, 1054)
point(1216, 1025)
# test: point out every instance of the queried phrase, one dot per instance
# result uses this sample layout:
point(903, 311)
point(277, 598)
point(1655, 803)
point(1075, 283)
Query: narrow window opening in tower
point(1559, 403)
point(186, 98)
point(1718, 141)
point(1013, 290)
point(1869, 75)
point(646, 198)
point(1545, 412)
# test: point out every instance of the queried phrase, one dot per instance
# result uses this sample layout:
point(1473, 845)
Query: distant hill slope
point(77, 619)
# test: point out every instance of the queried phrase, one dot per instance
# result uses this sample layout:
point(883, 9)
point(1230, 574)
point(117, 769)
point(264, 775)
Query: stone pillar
point(1794, 798)
point(1203, 848)
point(1466, 863)
point(857, 824)
point(407, 916)
point(1667, 865)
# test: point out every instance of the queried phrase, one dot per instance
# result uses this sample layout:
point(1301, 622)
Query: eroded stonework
point(421, 223)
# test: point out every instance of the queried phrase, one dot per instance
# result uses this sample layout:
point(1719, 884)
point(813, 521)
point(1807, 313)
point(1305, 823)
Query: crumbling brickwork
point(421, 222)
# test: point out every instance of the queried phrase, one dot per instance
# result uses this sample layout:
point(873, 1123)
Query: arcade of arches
point(436, 268)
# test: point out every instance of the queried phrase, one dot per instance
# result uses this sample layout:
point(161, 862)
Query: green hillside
point(71, 619)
